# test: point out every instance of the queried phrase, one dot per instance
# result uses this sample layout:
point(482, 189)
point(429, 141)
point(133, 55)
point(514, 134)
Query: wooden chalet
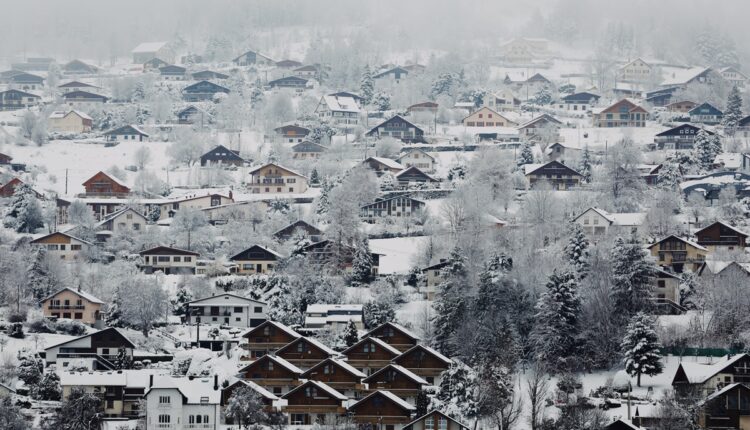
point(96, 350)
point(202, 91)
point(435, 420)
point(172, 72)
point(555, 173)
point(268, 337)
point(103, 185)
point(721, 235)
point(398, 380)
point(126, 133)
point(425, 362)
point(728, 408)
point(370, 354)
point(706, 113)
point(292, 133)
point(299, 228)
point(268, 399)
point(394, 335)
point(13, 99)
point(73, 98)
point(192, 115)
point(381, 165)
point(678, 254)
point(382, 409)
point(338, 374)
point(305, 352)
point(63, 246)
point(398, 128)
point(273, 373)
point(205, 75)
point(306, 150)
point(222, 156)
point(154, 64)
point(399, 206)
point(255, 259)
point(681, 137)
point(169, 260)
point(291, 82)
point(624, 113)
point(314, 402)
point(699, 378)
point(414, 175)
point(250, 58)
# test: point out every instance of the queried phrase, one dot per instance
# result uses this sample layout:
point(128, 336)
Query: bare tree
point(142, 157)
point(537, 386)
point(146, 302)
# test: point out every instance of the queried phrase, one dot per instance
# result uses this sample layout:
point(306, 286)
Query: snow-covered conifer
point(556, 323)
point(640, 347)
point(632, 277)
point(577, 250)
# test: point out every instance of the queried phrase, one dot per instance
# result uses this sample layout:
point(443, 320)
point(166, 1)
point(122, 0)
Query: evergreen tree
point(450, 305)
point(48, 388)
point(30, 368)
point(24, 214)
point(543, 96)
point(80, 410)
point(39, 279)
point(557, 321)
point(377, 313)
point(443, 84)
point(367, 85)
point(704, 151)
point(422, 403)
point(382, 101)
point(585, 167)
point(669, 176)
point(362, 262)
point(456, 394)
point(350, 336)
point(179, 303)
point(323, 199)
point(113, 316)
point(314, 177)
point(632, 277)
point(526, 156)
point(733, 112)
point(123, 360)
point(689, 285)
point(641, 348)
point(577, 250)
point(715, 145)
point(246, 408)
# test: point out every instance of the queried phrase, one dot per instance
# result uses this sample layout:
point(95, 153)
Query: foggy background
point(102, 31)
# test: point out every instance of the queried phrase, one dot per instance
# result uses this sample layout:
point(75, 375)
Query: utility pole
point(66, 182)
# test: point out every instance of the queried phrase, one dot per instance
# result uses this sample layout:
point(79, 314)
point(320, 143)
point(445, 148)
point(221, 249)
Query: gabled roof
point(689, 242)
point(287, 79)
point(726, 389)
point(110, 177)
point(209, 73)
point(582, 96)
point(705, 108)
point(169, 250)
point(294, 127)
point(341, 363)
point(259, 389)
point(172, 69)
point(431, 351)
point(83, 94)
point(620, 219)
point(276, 324)
point(288, 63)
point(697, 373)
point(80, 293)
point(393, 70)
point(377, 341)
point(675, 130)
point(214, 87)
point(278, 360)
point(340, 104)
point(257, 54)
point(540, 118)
point(234, 296)
point(435, 411)
point(682, 77)
point(632, 106)
point(148, 47)
point(387, 162)
point(76, 84)
point(307, 146)
point(21, 93)
point(634, 61)
point(538, 77)
point(307, 68)
point(315, 342)
point(390, 120)
point(396, 327)
point(531, 168)
point(40, 239)
point(381, 200)
point(63, 114)
point(400, 369)
point(276, 165)
point(78, 64)
point(298, 224)
point(126, 129)
point(319, 385)
point(734, 229)
point(109, 329)
point(195, 391)
point(388, 395)
point(232, 154)
point(239, 255)
point(413, 150)
point(415, 170)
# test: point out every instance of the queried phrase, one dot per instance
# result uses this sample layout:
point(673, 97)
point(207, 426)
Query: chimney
point(151, 380)
point(216, 382)
point(230, 195)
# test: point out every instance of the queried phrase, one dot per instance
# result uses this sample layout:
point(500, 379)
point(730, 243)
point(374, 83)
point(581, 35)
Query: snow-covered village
point(374, 215)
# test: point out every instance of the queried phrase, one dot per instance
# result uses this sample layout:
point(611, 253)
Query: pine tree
point(733, 112)
point(314, 177)
point(704, 151)
point(367, 85)
point(351, 336)
point(123, 360)
point(557, 321)
point(577, 250)
point(39, 280)
point(450, 305)
point(715, 145)
point(422, 403)
point(30, 368)
point(179, 303)
point(456, 394)
point(362, 262)
point(641, 348)
point(323, 199)
point(24, 214)
point(669, 176)
point(48, 388)
point(377, 313)
point(585, 167)
point(526, 156)
point(113, 316)
point(543, 96)
point(632, 277)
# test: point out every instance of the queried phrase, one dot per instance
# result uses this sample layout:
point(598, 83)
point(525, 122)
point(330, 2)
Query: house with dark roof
point(192, 115)
point(710, 186)
point(399, 206)
point(95, 351)
point(398, 128)
point(338, 374)
point(580, 102)
point(412, 176)
point(393, 75)
point(299, 228)
point(154, 64)
point(624, 113)
point(678, 254)
point(202, 91)
point(168, 260)
point(251, 58)
point(398, 380)
point(309, 71)
point(292, 133)
point(288, 64)
point(425, 362)
point(310, 402)
point(705, 113)
point(172, 72)
point(381, 409)
point(83, 98)
point(206, 75)
point(381, 165)
point(306, 150)
point(292, 82)
point(721, 236)
point(681, 137)
point(305, 352)
point(267, 338)
point(395, 335)
point(17, 99)
point(126, 133)
point(272, 373)
point(710, 378)
point(22, 80)
point(76, 86)
point(272, 179)
point(430, 107)
point(559, 176)
point(78, 67)
point(370, 354)
point(435, 420)
point(255, 260)
point(222, 156)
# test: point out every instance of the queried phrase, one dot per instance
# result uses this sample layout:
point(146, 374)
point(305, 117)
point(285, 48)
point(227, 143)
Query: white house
point(598, 222)
point(228, 309)
point(418, 158)
point(178, 403)
point(337, 317)
point(341, 111)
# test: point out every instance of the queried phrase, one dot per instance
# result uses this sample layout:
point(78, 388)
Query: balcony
point(66, 307)
point(104, 194)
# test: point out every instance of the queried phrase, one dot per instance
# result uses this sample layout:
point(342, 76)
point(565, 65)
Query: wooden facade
point(273, 373)
point(425, 362)
point(398, 380)
point(679, 254)
point(305, 352)
point(311, 403)
point(559, 176)
point(720, 235)
point(370, 354)
point(382, 409)
point(268, 337)
point(394, 335)
point(339, 375)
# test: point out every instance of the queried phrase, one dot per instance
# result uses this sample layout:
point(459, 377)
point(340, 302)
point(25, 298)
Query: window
point(78, 316)
point(368, 347)
point(163, 259)
point(177, 259)
point(442, 423)
point(270, 365)
point(188, 259)
point(165, 400)
point(164, 419)
point(259, 310)
point(110, 403)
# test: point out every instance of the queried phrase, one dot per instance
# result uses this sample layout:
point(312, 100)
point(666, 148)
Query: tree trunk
point(639, 379)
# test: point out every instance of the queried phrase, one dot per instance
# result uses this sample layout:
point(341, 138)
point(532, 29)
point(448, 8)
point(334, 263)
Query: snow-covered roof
point(85, 295)
point(432, 351)
point(256, 169)
point(279, 326)
point(681, 77)
point(717, 394)
point(730, 160)
point(63, 114)
point(260, 390)
point(147, 47)
point(391, 164)
point(398, 327)
point(318, 344)
point(406, 372)
point(729, 226)
point(528, 168)
point(284, 363)
point(628, 218)
point(698, 373)
point(321, 386)
point(238, 300)
point(195, 390)
point(392, 397)
point(341, 104)
point(349, 368)
point(320, 308)
point(122, 378)
point(687, 241)
point(377, 341)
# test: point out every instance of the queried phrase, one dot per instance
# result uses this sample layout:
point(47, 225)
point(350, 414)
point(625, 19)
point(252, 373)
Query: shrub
point(72, 328)
point(42, 325)
point(16, 331)
point(17, 317)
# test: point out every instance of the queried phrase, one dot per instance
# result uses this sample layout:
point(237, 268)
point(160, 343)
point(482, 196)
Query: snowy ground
point(399, 253)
